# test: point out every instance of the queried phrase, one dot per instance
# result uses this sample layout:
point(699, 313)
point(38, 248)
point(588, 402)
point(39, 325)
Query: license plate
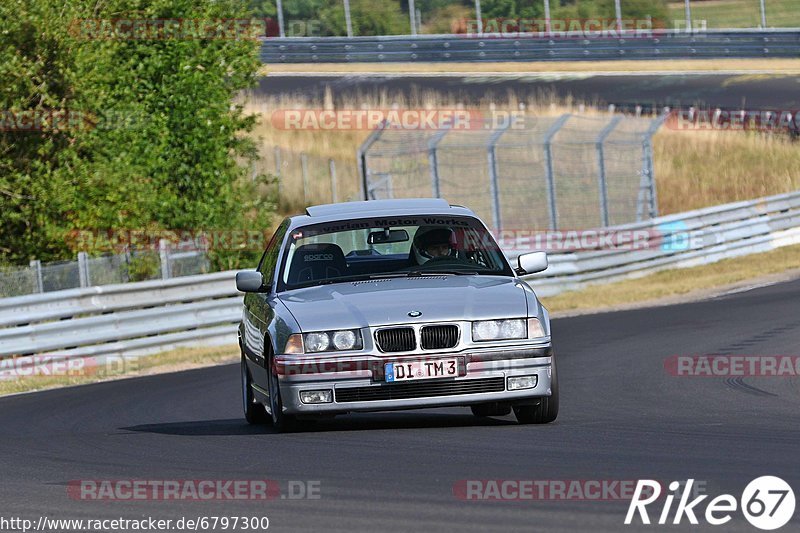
point(413, 370)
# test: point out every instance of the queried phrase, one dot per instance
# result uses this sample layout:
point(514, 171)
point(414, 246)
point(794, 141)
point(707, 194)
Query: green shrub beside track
point(156, 142)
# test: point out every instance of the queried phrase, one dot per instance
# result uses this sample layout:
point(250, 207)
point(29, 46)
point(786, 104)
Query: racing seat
point(315, 262)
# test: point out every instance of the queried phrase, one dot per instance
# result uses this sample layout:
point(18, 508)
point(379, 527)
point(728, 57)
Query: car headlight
point(344, 340)
point(327, 341)
point(317, 342)
point(492, 330)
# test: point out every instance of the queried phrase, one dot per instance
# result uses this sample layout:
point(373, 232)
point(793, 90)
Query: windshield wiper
point(388, 275)
point(331, 281)
point(419, 273)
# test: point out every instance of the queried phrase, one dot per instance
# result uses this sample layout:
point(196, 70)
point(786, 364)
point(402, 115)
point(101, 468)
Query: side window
point(270, 257)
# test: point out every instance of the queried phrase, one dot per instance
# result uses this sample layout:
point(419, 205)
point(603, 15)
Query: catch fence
point(558, 172)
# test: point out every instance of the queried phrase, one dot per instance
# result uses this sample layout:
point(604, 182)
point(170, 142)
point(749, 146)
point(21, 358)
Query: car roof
point(379, 208)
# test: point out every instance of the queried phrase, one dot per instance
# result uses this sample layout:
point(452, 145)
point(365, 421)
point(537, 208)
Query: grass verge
point(739, 13)
point(169, 361)
point(689, 283)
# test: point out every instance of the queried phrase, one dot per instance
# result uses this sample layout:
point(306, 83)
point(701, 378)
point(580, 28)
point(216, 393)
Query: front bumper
point(358, 384)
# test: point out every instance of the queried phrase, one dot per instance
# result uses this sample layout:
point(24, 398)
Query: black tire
point(547, 410)
point(282, 422)
point(254, 412)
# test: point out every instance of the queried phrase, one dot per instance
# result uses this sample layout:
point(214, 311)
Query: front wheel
point(254, 412)
point(547, 410)
point(280, 421)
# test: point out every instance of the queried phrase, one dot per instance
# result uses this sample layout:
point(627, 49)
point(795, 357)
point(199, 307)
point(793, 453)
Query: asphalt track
point(727, 91)
point(623, 417)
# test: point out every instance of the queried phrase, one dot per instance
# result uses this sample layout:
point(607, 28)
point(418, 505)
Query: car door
point(259, 312)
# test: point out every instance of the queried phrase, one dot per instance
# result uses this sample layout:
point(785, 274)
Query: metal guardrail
point(61, 305)
point(128, 319)
point(657, 44)
point(681, 240)
point(138, 318)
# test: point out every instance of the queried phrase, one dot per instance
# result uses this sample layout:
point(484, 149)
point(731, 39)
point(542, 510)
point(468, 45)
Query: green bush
point(164, 145)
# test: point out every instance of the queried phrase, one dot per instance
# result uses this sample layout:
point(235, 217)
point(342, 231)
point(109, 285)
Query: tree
point(157, 142)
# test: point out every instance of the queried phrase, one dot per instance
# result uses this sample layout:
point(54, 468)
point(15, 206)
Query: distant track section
point(652, 90)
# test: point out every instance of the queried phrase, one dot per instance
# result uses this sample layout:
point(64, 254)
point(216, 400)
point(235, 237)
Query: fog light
point(316, 396)
point(523, 382)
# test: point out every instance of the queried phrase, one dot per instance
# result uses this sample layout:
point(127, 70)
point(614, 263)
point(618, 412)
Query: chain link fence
point(302, 179)
point(88, 271)
point(453, 16)
point(560, 172)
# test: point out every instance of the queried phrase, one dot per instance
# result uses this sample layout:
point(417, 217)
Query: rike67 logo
point(767, 503)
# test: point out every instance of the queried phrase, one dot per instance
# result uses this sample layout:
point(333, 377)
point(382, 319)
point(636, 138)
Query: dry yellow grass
point(684, 281)
point(693, 169)
point(778, 66)
point(169, 361)
point(702, 168)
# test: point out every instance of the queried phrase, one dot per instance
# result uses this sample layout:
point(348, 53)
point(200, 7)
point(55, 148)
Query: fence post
point(361, 157)
point(433, 161)
point(83, 269)
point(277, 151)
point(688, 15)
point(601, 162)
point(163, 253)
point(304, 169)
point(128, 258)
point(548, 159)
point(494, 188)
point(411, 17)
point(648, 181)
point(36, 265)
point(547, 17)
point(763, 15)
point(332, 169)
point(347, 20)
point(281, 31)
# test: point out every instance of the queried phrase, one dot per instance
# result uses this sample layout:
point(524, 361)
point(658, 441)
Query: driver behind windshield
point(430, 243)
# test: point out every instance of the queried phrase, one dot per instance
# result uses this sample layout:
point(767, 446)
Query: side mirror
point(249, 281)
point(532, 263)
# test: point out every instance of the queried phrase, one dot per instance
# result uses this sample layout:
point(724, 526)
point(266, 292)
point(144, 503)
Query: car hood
point(389, 301)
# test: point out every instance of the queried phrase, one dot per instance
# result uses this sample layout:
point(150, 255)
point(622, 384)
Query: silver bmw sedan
point(392, 304)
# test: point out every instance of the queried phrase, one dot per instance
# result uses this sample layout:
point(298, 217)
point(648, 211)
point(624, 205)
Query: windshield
point(353, 250)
